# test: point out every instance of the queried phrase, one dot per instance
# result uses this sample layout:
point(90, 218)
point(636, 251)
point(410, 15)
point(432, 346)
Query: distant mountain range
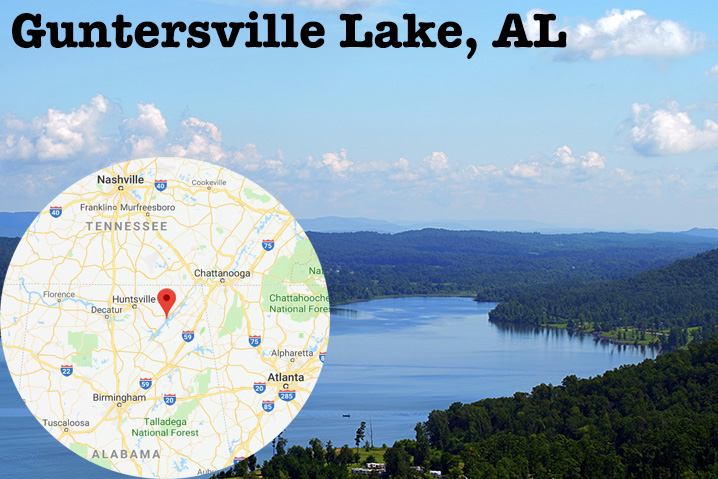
point(15, 224)
point(337, 224)
point(704, 232)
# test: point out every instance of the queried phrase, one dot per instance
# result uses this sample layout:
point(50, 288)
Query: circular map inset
point(165, 317)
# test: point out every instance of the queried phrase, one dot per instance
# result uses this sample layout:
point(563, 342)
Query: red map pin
point(167, 298)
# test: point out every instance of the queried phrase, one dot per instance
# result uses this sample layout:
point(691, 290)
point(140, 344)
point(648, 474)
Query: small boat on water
point(346, 415)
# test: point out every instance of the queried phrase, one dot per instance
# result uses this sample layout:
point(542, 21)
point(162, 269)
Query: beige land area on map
point(81, 292)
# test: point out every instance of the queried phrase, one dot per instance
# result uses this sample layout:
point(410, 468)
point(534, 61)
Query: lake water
point(390, 361)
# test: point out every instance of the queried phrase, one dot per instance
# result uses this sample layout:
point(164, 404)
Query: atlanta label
point(280, 377)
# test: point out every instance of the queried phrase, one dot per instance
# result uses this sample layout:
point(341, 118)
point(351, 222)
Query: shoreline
point(353, 301)
point(595, 334)
point(598, 336)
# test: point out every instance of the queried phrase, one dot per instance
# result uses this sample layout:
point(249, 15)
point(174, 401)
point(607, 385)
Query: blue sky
point(618, 131)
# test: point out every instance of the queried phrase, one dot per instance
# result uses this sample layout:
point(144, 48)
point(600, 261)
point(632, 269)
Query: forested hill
point(657, 419)
point(680, 299)
point(7, 248)
point(654, 420)
point(494, 265)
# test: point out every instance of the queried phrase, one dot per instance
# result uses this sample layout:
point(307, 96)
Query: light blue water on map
point(389, 361)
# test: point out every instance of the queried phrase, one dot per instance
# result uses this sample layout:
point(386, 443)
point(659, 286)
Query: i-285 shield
point(287, 395)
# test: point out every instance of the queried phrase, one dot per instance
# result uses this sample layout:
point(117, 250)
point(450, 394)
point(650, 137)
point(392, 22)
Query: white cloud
point(474, 171)
point(405, 172)
point(524, 170)
point(250, 159)
point(630, 33)
point(142, 132)
point(437, 161)
point(337, 162)
point(90, 136)
point(149, 122)
point(564, 157)
point(563, 165)
point(200, 140)
point(712, 71)
point(57, 135)
point(669, 130)
point(593, 160)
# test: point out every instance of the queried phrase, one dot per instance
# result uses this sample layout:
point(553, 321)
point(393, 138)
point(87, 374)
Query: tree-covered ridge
point(679, 300)
point(654, 420)
point(657, 419)
point(493, 265)
point(7, 248)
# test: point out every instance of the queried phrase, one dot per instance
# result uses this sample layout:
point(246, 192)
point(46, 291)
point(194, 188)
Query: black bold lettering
point(289, 40)
point(34, 34)
point(413, 34)
point(351, 30)
point(87, 35)
point(390, 38)
point(309, 30)
point(507, 32)
point(220, 27)
point(544, 41)
point(450, 29)
point(119, 25)
point(170, 28)
point(253, 32)
point(68, 41)
point(198, 30)
point(271, 30)
point(147, 29)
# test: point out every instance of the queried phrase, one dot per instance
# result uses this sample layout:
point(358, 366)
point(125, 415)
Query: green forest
point(7, 248)
point(672, 305)
point(654, 420)
point(494, 266)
